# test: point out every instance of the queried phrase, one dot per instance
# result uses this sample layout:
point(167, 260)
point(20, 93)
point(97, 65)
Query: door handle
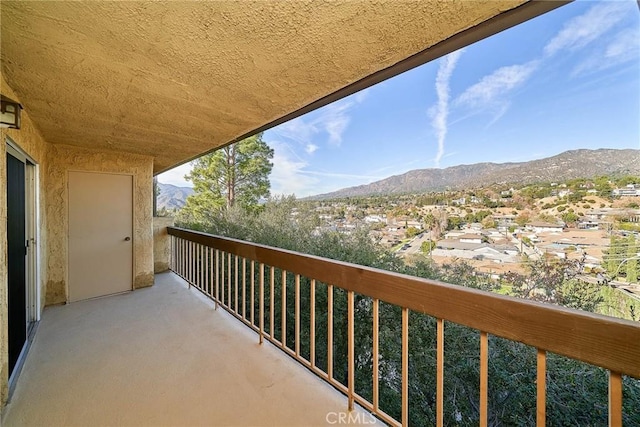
point(126, 239)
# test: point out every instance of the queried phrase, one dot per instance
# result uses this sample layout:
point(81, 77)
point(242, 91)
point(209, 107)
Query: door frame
point(133, 228)
point(33, 259)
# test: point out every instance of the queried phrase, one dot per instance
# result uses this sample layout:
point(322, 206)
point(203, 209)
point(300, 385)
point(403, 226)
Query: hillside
point(565, 166)
point(172, 197)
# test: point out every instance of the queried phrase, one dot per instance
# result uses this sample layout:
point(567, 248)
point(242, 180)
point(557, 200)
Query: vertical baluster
point(615, 399)
point(191, 263)
point(484, 377)
point(283, 337)
point(244, 288)
point(440, 374)
point(297, 315)
point(236, 285)
point(253, 288)
point(312, 321)
point(226, 271)
point(182, 258)
point(201, 264)
point(205, 269)
point(330, 332)
point(222, 277)
point(261, 313)
point(541, 388)
point(187, 262)
point(405, 366)
point(229, 280)
point(196, 265)
point(217, 256)
point(271, 301)
point(376, 328)
point(350, 350)
point(211, 274)
point(194, 262)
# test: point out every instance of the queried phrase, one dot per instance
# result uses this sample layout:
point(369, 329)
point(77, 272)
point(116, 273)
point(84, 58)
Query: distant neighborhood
point(498, 229)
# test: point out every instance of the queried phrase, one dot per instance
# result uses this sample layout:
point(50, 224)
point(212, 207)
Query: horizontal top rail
point(599, 340)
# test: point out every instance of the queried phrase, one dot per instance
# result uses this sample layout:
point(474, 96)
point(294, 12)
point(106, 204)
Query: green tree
point(427, 246)
point(522, 219)
point(569, 217)
point(412, 232)
point(489, 222)
point(235, 174)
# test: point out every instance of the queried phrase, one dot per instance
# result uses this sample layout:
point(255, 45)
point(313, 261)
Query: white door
point(100, 234)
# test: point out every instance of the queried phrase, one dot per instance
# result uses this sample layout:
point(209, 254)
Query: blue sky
point(566, 80)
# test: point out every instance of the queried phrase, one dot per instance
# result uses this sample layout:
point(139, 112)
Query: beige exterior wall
point(65, 158)
point(28, 138)
point(161, 243)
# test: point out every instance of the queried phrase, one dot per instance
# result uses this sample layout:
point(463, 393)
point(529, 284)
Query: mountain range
point(565, 166)
point(172, 197)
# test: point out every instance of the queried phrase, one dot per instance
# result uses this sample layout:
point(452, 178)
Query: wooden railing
point(241, 277)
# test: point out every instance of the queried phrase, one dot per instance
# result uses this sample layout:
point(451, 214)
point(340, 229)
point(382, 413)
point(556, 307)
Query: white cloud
point(440, 112)
point(176, 175)
point(625, 45)
point(492, 89)
point(334, 120)
point(288, 175)
point(622, 48)
point(331, 120)
point(584, 29)
point(297, 130)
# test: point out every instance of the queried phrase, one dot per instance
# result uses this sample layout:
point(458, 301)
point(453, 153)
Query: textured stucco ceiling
point(176, 79)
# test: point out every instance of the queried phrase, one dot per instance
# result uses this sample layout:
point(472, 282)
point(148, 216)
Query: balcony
point(221, 346)
point(161, 356)
point(354, 327)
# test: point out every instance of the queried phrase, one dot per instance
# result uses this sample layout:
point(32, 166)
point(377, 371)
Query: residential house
point(544, 227)
point(470, 238)
point(631, 190)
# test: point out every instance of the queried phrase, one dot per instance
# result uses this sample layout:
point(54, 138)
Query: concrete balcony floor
point(162, 356)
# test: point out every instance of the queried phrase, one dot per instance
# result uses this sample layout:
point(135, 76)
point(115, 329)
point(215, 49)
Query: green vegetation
point(427, 246)
point(412, 232)
point(616, 304)
point(621, 259)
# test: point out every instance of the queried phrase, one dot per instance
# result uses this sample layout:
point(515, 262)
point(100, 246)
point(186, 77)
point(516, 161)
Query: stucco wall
point(161, 244)
point(28, 138)
point(65, 158)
